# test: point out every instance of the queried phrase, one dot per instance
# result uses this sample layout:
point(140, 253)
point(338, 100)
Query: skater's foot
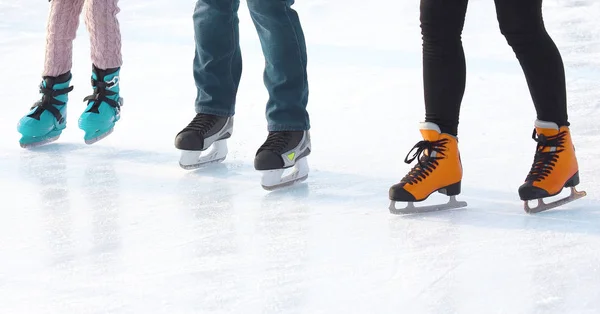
point(554, 167)
point(438, 169)
point(48, 117)
point(104, 105)
point(283, 150)
point(203, 132)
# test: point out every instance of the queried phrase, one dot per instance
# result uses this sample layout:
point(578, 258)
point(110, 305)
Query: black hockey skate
point(282, 151)
point(205, 131)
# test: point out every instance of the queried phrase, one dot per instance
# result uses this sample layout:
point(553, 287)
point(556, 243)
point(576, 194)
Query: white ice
point(119, 227)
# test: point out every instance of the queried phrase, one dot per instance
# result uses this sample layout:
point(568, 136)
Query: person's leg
point(522, 25)
point(48, 116)
point(285, 74)
point(63, 22)
point(286, 79)
point(105, 33)
point(217, 72)
point(438, 165)
point(218, 60)
point(104, 105)
point(444, 69)
point(555, 164)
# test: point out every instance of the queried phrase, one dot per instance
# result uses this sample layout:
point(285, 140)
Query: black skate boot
point(203, 132)
point(281, 151)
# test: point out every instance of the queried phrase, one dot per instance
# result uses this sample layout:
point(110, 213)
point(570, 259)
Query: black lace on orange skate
point(276, 142)
point(48, 101)
point(100, 95)
point(544, 161)
point(425, 162)
point(202, 123)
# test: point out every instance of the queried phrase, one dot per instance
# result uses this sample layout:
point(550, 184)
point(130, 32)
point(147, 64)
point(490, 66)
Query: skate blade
point(284, 184)
point(191, 159)
point(98, 138)
point(542, 206)
point(274, 179)
point(39, 143)
point(412, 209)
point(200, 165)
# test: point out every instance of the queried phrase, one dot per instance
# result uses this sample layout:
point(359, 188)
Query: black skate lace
point(425, 163)
point(101, 94)
point(202, 123)
point(276, 142)
point(544, 162)
point(48, 101)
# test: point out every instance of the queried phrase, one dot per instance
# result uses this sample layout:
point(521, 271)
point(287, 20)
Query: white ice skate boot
point(283, 151)
point(205, 131)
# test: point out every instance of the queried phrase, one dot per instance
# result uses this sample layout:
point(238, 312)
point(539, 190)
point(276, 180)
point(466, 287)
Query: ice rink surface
point(119, 227)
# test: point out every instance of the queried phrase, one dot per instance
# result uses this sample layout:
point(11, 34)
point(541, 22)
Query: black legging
point(444, 59)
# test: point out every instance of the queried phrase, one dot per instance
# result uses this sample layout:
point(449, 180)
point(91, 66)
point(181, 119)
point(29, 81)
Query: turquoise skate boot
point(48, 116)
point(104, 106)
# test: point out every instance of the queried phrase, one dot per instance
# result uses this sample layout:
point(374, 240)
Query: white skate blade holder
point(276, 179)
point(412, 209)
point(543, 206)
point(215, 153)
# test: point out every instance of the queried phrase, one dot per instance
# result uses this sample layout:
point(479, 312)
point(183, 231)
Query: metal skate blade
point(98, 138)
point(193, 159)
point(40, 143)
point(275, 179)
point(200, 165)
point(284, 184)
point(542, 206)
point(412, 209)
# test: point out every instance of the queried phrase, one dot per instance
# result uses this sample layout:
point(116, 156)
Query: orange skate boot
point(554, 168)
point(438, 169)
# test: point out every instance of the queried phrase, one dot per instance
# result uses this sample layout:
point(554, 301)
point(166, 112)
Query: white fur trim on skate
point(546, 125)
point(429, 126)
point(275, 179)
point(411, 209)
point(191, 159)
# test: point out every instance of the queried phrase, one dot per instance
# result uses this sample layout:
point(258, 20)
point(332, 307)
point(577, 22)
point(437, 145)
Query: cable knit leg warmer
point(63, 22)
point(105, 34)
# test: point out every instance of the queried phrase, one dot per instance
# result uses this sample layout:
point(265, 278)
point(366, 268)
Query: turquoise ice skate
point(104, 106)
point(48, 117)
